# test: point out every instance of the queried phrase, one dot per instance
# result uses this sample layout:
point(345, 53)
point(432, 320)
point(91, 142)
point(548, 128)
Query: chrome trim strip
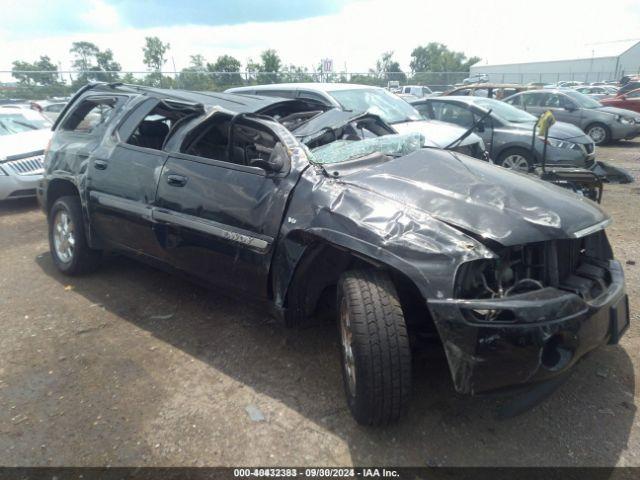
point(592, 229)
point(123, 204)
point(212, 228)
point(209, 227)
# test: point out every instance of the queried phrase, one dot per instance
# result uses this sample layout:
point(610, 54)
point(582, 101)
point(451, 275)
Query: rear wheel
point(376, 358)
point(599, 133)
point(517, 159)
point(67, 241)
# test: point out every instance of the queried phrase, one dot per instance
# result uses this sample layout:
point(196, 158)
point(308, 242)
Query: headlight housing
point(554, 142)
point(625, 120)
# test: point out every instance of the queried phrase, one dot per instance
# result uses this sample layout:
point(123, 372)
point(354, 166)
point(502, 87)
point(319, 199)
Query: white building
point(607, 61)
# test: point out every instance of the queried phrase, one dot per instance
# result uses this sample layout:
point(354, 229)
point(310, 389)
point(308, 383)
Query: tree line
point(41, 78)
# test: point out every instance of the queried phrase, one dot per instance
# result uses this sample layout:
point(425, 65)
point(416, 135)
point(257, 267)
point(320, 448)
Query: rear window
point(90, 114)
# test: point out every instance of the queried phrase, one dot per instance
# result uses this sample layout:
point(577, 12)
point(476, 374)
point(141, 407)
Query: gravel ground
point(132, 366)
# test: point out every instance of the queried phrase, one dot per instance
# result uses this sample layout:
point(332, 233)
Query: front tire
point(67, 242)
point(599, 133)
point(517, 159)
point(376, 358)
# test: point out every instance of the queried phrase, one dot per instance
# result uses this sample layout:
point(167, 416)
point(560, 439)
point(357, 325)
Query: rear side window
point(452, 113)
point(90, 114)
point(154, 128)
point(532, 99)
point(423, 108)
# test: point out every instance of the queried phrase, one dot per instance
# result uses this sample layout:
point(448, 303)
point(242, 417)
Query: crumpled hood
point(619, 111)
point(24, 142)
point(490, 201)
point(440, 134)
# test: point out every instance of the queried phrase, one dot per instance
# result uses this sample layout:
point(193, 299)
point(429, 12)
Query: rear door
point(122, 184)
point(222, 209)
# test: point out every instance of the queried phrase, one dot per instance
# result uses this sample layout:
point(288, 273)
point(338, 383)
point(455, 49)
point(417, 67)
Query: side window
point(635, 94)
point(552, 100)
point(515, 101)
point(90, 114)
point(56, 108)
point(532, 99)
point(154, 128)
point(451, 113)
point(423, 109)
point(210, 140)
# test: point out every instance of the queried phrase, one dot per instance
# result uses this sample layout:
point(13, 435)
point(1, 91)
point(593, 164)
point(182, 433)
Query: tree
point(108, 65)
point(39, 79)
point(29, 73)
point(154, 58)
point(226, 71)
point(269, 67)
point(93, 64)
point(194, 77)
point(154, 53)
point(436, 57)
point(388, 69)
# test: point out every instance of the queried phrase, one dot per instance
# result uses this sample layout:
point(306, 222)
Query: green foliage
point(93, 64)
point(388, 69)
point(154, 53)
point(226, 71)
point(436, 57)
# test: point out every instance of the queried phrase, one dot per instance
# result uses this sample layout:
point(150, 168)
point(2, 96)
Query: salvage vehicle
point(628, 101)
point(416, 90)
point(24, 134)
point(514, 276)
point(507, 132)
point(476, 78)
point(602, 124)
point(389, 107)
point(488, 90)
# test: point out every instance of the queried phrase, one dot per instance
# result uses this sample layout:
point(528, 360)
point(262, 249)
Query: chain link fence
point(36, 85)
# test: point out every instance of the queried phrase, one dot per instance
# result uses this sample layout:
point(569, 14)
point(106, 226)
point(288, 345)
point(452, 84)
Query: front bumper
point(550, 331)
point(18, 186)
point(621, 131)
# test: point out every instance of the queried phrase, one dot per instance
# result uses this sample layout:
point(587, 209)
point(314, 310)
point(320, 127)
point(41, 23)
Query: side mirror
point(622, 96)
point(480, 127)
point(569, 107)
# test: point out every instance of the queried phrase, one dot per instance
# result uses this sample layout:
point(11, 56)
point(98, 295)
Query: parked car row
point(330, 196)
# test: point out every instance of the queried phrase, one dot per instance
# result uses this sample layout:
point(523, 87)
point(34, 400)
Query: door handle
point(100, 164)
point(176, 180)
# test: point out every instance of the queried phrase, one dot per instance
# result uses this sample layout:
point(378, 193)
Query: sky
point(351, 32)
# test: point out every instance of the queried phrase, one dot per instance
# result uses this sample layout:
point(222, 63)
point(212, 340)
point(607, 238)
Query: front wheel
point(376, 358)
point(599, 133)
point(515, 159)
point(67, 241)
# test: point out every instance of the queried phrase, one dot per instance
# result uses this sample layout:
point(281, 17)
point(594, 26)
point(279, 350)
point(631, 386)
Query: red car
point(628, 101)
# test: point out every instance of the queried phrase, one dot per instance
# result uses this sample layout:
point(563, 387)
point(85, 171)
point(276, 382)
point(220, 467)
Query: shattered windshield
point(345, 150)
point(386, 105)
point(21, 122)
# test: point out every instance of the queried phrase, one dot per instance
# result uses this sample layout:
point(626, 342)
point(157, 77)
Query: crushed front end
point(532, 312)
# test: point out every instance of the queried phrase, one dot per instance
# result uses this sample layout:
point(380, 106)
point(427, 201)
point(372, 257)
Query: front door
point(221, 205)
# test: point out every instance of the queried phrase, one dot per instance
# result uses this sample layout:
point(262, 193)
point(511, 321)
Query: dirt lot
point(131, 366)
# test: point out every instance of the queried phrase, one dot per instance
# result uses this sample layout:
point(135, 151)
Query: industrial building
point(609, 61)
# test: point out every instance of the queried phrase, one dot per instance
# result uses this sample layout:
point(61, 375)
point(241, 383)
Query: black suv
point(514, 276)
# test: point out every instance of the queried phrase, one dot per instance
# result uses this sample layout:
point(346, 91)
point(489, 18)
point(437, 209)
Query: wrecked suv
point(513, 276)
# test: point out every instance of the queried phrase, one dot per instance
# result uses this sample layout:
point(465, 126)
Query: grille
point(26, 166)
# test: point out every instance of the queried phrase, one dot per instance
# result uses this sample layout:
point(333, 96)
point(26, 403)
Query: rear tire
point(67, 241)
point(599, 133)
point(376, 358)
point(517, 159)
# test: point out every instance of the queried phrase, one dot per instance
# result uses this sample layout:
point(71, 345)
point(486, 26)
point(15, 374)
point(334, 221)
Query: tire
point(376, 358)
point(515, 156)
point(599, 133)
point(68, 245)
